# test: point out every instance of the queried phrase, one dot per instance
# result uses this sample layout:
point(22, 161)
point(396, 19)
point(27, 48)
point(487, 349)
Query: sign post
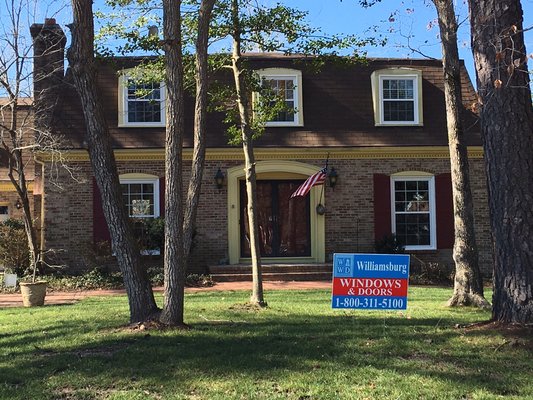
point(370, 281)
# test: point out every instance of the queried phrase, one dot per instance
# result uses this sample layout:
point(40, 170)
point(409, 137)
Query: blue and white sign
point(370, 281)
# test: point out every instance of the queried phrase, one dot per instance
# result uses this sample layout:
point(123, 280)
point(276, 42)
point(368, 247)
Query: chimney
point(48, 68)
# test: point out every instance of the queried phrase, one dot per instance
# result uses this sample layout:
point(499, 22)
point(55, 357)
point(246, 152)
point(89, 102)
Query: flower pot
point(33, 293)
point(10, 280)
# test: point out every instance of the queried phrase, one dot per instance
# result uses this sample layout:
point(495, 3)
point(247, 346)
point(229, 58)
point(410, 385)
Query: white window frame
point(286, 74)
point(147, 179)
point(414, 176)
point(123, 121)
point(377, 79)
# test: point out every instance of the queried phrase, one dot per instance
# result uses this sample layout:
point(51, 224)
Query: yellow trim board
point(7, 186)
point(236, 154)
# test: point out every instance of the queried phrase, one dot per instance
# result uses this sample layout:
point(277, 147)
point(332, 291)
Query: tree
point(243, 98)
point(468, 284)
point(24, 122)
point(506, 114)
point(180, 217)
point(270, 29)
point(81, 58)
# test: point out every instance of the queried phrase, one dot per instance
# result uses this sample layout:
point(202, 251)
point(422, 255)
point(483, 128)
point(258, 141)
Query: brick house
point(383, 125)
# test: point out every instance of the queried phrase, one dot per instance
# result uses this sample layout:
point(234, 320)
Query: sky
point(403, 22)
point(398, 20)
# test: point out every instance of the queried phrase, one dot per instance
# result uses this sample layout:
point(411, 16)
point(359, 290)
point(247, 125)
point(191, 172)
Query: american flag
point(316, 179)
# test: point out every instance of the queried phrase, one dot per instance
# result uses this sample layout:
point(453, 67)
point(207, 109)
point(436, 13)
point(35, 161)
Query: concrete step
point(274, 276)
point(270, 268)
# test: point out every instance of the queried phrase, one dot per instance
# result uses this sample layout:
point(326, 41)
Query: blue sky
point(398, 20)
point(415, 18)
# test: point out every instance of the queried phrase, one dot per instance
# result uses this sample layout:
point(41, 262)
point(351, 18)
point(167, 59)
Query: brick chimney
point(48, 68)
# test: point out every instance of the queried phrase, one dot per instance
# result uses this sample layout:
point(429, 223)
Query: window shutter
point(382, 206)
point(444, 205)
point(100, 229)
point(162, 197)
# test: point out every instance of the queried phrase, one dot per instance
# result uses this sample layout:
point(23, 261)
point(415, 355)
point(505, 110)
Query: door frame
point(276, 169)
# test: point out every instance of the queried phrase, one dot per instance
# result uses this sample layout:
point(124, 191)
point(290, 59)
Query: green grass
point(297, 348)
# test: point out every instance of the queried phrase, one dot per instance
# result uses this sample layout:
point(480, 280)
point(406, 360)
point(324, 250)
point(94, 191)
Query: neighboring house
point(10, 205)
point(383, 125)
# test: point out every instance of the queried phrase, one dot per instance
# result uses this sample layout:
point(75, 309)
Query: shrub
point(14, 250)
point(430, 273)
point(389, 244)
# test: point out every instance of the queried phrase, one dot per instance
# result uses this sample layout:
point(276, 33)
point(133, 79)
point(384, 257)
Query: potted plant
point(14, 251)
point(33, 293)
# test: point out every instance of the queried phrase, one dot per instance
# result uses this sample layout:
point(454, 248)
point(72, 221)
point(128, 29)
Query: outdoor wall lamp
point(332, 177)
point(18, 204)
point(219, 179)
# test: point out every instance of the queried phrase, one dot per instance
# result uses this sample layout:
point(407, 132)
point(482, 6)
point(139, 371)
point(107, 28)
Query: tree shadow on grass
point(270, 348)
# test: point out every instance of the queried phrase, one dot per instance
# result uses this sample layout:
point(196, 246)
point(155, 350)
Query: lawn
point(297, 348)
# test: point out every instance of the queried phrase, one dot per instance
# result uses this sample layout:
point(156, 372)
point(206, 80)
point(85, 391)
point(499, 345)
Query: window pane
point(398, 111)
point(148, 188)
point(413, 229)
point(285, 88)
point(139, 198)
point(144, 102)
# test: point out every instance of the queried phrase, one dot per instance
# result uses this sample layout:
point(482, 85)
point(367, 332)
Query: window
point(287, 84)
point(140, 198)
point(397, 97)
point(140, 193)
point(4, 212)
point(413, 211)
point(141, 104)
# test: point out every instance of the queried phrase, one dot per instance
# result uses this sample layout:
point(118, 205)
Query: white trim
point(287, 74)
point(417, 176)
point(123, 105)
point(396, 73)
point(317, 222)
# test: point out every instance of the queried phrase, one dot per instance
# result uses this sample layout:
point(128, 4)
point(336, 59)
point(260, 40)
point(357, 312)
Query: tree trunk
point(249, 166)
point(200, 113)
point(20, 184)
point(507, 127)
point(17, 176)
point(81, 58)
point(174, 264)
point(468, 284)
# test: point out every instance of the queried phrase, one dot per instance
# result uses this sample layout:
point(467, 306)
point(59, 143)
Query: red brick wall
point(349, 218)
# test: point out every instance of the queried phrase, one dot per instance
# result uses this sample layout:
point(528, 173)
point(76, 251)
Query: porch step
point(272, 272)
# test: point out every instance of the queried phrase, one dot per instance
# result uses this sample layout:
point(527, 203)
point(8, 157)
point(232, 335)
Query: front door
point(284, 223)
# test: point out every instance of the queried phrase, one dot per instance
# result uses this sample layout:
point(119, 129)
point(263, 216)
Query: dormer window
point(397, 94)
point(141, 104)
point(286, 84)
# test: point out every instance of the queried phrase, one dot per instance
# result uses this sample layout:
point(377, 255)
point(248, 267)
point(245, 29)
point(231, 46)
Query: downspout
point(41, 241)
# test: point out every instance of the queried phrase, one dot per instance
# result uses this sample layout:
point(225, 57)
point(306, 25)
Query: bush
point(14, 250)
point(389, 244)
point(430, 273)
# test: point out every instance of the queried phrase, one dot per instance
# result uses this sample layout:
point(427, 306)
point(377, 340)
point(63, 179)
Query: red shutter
point(382, 206)
point(444, 205)
point(100, 229)
point(162, 197)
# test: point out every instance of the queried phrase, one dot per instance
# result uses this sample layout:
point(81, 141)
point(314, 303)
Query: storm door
point(284, 223)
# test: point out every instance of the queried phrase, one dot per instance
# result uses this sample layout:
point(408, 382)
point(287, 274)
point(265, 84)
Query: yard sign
point(370, 281)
